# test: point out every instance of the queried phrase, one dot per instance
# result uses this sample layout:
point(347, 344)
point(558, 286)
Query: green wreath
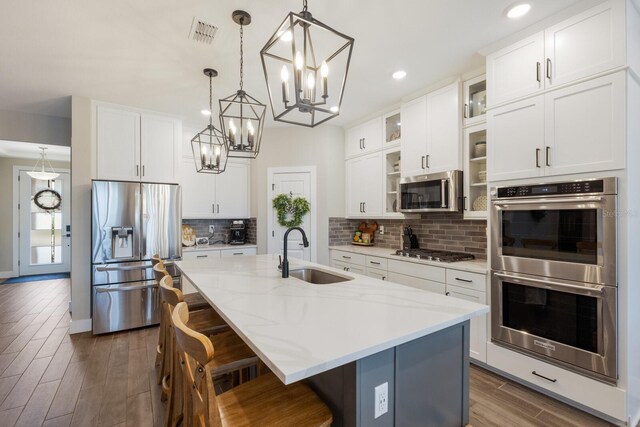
point(286, 204)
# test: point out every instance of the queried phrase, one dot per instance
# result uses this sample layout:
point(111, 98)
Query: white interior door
point(45, 236)
point(297, 184)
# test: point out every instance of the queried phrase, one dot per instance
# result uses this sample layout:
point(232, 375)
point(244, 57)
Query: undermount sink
point(317, 277)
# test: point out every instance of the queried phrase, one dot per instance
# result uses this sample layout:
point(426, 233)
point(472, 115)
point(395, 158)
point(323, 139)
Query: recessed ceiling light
point(517, 10)
point(334, 109)
point(399, 75)
point(205, 112)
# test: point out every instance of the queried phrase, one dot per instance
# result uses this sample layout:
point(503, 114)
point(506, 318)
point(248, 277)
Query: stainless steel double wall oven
point(553, 280)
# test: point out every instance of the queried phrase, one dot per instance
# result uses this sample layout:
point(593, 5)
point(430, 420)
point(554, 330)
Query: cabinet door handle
point(142, 170)
point(347, 268)
point(465, 112)
point(384, 277)
point(374, 262)
point(137, 170)
point(237, 253)
point(218, 205)
point(447, 293)
point(213, 208)
point(202, 256)
point(364, 207)
point(464, 280)
point(543, 377)
point(538, 73)
point(549, 68)
point(344, 268)
point(427, 157)
point(364, 143)
point(546, 156)
point(346, 257)
point(537, 157)
point(464, 203)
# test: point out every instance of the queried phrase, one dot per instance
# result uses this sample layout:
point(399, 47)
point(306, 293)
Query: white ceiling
point(138, 52)
point(27, 150)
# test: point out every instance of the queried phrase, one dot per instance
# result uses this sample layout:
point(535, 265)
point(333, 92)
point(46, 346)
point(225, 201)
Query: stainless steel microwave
point(437, 192)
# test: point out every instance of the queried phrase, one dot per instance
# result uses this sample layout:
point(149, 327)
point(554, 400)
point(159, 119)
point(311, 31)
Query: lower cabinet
point(345, 266)
point(478, 344)
point(238, 252)
point(201, 254)
point(377, 273)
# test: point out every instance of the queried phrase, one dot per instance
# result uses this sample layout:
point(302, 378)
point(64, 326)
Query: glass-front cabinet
point(475, 100)
point(391, 179)
point(475, 176)
point(391, 128)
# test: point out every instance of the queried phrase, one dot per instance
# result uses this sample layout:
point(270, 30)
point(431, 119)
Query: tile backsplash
point(221, 231)
point(435, 231)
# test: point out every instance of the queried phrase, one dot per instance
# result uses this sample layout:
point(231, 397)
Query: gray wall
point(6, 207)
point(36, 128)
point(323, 147)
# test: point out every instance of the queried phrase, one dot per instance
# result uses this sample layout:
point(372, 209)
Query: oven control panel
point(556, 189)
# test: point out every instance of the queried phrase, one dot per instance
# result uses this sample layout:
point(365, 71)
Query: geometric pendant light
point(209, 146)
point(305, 66)
point(241, 115)
point(41, 174)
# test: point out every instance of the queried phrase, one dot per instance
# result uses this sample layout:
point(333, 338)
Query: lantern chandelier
point(241, 115)
point(318, 58)
point(209, 146)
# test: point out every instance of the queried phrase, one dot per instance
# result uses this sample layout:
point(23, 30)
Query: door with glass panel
point(45, 233)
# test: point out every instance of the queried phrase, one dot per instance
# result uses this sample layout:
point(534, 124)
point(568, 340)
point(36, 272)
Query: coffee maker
point(238, 233)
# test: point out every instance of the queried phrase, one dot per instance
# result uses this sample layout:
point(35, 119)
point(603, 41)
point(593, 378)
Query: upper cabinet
point(363, 186)
point(431, 132)
point(364, 138)
point(136, 146)
point(582, 46)
point(118, 144)
point(575, 129)
point(474, 95)
point(208, 196)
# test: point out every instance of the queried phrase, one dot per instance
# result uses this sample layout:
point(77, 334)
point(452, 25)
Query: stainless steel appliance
point(237, 233)
point(438, 192)
point(433, 255)
point(553, 280)
point(129, 223)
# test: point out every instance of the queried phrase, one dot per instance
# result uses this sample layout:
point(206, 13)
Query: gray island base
point(428, 383)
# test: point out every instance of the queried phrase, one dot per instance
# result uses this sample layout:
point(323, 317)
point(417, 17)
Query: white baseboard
point(80, 325)
point(7, 274)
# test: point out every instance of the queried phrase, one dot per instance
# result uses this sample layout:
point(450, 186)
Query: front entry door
point(45, 242)
point(297, 184)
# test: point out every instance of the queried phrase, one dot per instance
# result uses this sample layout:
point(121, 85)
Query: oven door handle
point(549, 201)
point(586, 289)
point(103, 289)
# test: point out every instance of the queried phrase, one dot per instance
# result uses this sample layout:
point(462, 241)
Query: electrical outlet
point(382, 229)
point(381, 403)
point(211, 228)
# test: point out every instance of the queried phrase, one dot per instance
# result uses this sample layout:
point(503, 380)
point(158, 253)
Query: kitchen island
point(347, 338)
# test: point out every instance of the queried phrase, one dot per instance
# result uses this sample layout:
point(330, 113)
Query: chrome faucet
point(284, 264)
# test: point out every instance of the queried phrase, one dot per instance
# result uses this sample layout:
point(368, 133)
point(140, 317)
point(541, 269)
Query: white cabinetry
point(578, 128)
point(584, 45)
point(118, 144)
point(364, 138)
point(136, 146)
point(239, 251)
point(201, 254)
point(414, 137)
point(207, 196)
point(431, 132)
point(363, 192)
point(443, 129)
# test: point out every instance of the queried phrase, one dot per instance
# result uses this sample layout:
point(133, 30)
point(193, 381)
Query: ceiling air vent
point(202, 32)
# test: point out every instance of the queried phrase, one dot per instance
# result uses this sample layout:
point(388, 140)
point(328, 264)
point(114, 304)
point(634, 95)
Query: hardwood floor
point(50, 378)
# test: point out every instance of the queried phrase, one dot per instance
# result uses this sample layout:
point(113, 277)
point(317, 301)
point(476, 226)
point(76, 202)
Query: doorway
point(44, 228)
point(297, 182)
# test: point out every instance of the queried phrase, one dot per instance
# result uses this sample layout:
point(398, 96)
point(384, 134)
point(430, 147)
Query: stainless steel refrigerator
point(130, 222)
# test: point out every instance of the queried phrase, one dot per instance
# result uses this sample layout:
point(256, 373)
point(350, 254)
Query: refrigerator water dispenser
point(122, 242)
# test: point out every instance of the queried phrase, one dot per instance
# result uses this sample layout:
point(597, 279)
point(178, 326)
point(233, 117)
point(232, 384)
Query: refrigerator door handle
point(103, 289)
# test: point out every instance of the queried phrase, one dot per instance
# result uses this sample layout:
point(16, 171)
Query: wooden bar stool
point(194, 300)
point(233, 354)
point(205, 320)
point(264, 401)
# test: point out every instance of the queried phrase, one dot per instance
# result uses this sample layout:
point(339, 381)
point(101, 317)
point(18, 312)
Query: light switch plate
point(381, 396)
point(211, 228)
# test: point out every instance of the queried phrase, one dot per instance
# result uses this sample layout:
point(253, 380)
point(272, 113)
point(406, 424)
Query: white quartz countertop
point(474, 266)
point(299, 329)
point(215, 247)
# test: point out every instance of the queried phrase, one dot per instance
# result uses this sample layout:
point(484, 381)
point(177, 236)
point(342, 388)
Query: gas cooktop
point(432, 255)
